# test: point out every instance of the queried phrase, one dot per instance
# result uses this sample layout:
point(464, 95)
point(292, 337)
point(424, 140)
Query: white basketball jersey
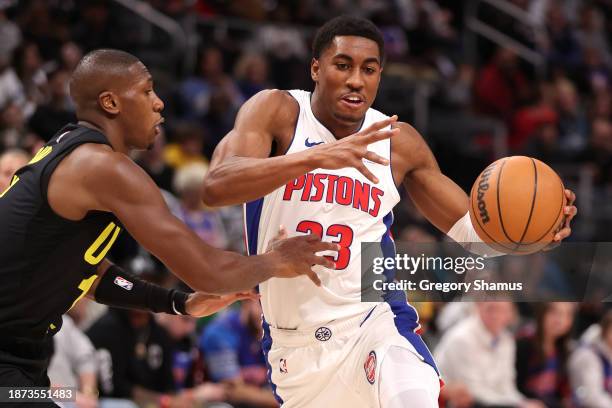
point(342, 206)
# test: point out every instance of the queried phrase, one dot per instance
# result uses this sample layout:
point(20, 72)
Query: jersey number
point(92, 259)
point(343, 233)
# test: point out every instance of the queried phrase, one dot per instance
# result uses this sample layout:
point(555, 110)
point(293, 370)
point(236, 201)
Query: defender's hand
point(295, 256)
point(202, 304)
point(352, 150)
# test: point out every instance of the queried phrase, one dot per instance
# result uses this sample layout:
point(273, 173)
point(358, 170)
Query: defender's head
point(347, 62)
point(112, 85)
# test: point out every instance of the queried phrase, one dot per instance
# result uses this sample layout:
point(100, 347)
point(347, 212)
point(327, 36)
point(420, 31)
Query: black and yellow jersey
point(47, 263)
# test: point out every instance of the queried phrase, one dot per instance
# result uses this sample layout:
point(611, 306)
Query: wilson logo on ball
point(483, 186)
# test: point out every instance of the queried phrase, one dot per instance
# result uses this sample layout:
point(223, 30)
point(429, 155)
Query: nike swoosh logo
point(310, 144)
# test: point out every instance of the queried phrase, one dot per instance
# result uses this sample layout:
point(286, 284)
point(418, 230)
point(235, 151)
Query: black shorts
point(12, 376)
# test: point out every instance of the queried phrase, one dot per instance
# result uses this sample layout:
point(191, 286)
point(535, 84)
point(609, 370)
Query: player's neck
point(337, 128)
point(110, 132)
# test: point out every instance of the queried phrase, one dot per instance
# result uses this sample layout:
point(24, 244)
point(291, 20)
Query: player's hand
point(569, 212)
point(352, 150)
point(295, 256)
point(209, 392)
point(202, 304)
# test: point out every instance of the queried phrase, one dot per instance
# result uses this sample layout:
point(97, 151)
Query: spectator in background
point(541, 356)
point(70, 55)
point(573, 123)
point(251, 73)
point(74, 364)
point(206, 223)
point(11, 89)
point(186, 364)
point(13, 130)
point(187, 146)
point(232, 352)
point(9, 31)
point(57, 112)
point(483, 371)
point(134, 356)
point(196, 93)
point(152, 161)
point(590, 369)
point(599, 152)
point(501, 86)
point(28, 67)
point(11, 161)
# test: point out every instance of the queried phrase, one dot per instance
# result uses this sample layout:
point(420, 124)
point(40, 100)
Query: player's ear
point(314, 69)
point(109, 102)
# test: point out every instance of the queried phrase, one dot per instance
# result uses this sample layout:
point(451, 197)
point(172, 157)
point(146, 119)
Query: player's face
point(141, 109)
point(347, 75)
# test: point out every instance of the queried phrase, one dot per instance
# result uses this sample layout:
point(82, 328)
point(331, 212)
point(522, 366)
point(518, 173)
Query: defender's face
point(141, 109)
point(347, 75)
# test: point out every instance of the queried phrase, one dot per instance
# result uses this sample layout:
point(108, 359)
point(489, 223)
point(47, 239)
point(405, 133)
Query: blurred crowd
point(520, 355)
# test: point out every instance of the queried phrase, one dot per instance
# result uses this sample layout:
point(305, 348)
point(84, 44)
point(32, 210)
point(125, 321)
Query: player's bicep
point(138, 203)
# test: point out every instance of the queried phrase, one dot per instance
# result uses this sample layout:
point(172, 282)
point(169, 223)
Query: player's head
point(347, 60)
point(114, 86)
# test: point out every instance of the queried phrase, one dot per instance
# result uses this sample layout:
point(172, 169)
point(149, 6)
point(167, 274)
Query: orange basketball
point(516, 205)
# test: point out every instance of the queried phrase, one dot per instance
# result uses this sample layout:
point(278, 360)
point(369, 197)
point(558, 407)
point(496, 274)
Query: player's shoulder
point(408, 139)
point(276, 103)
point(100, 158)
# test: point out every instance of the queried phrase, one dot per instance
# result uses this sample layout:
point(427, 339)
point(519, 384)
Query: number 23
point(344, 233)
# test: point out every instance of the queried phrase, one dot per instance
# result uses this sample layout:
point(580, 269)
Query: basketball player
point(63, 211)
point(330, 173)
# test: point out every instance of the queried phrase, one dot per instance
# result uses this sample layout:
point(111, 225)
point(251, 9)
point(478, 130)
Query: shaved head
point(99, 71)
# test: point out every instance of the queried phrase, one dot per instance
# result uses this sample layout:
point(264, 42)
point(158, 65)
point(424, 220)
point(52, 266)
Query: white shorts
point(338, 365)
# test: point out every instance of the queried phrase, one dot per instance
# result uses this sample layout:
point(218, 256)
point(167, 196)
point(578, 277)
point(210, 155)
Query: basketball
point(516, 205)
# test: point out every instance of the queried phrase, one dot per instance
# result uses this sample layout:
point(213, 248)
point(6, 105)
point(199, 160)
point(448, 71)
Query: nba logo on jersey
point(125, 284)
point(370, 367)
point(283, 366)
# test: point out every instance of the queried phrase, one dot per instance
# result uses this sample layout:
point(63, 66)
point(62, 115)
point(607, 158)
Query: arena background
point(479, 79)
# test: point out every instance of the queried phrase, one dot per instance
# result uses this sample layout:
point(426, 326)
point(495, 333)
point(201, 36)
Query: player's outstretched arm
point(436, 196)
point(94, 177)
point(241, 160)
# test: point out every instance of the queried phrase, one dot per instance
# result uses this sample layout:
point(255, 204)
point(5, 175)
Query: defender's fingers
point(373, 157)
point(325, 246)
point(313, 277)
point(325, 261)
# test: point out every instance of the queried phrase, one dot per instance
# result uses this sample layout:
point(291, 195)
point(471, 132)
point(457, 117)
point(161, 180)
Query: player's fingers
point(381, 124)
point(373, 157)
point(380, 135)
point(364, 170)
point(570, 212)
point(571, 197)
point(562, 234)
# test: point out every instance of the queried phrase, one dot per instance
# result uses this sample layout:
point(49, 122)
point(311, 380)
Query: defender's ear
point(109, 102)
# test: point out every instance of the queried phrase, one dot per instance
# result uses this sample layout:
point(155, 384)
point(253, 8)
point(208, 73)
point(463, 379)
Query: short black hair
point(346, 25)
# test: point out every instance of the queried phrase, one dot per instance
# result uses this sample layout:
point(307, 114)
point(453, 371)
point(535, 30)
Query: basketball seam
point(501, 220)
point(482, 228)
point(533, 200)
point(555, 221)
